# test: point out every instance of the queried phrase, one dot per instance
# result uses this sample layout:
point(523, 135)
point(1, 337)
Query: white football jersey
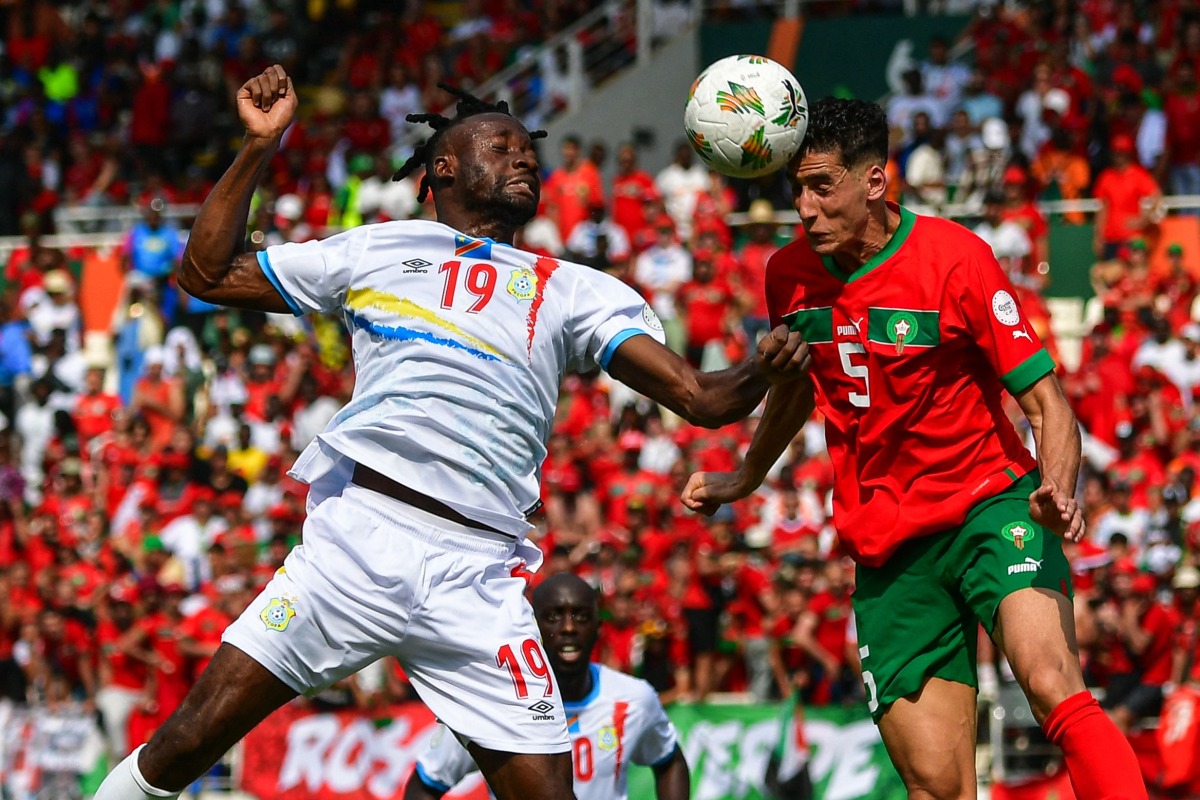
point(460, 345)
point(620, 722)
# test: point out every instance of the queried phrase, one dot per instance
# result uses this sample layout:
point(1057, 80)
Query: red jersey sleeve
point(989, 308)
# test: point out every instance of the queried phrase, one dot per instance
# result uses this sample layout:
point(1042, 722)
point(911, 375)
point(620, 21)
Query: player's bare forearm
point(788, 407)
point(672, 780)
point(710, 399)
point(215, 266)
point(1056, 433)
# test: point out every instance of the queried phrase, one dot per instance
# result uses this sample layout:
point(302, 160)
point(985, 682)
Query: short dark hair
point(468, 106)
point(855, 129)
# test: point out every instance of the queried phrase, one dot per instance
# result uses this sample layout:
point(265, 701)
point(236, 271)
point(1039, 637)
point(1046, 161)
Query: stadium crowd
point(143, 487)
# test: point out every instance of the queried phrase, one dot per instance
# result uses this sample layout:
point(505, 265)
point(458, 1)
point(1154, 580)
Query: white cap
point(1057, 100)
point(290, 207)
point(1191, 332)
point(994, 133)
point(154, 356)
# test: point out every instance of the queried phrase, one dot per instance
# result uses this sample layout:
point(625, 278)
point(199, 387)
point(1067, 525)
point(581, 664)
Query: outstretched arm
point(789, 405)
point(215, 268)
point(710, 399)
point(1056, 433)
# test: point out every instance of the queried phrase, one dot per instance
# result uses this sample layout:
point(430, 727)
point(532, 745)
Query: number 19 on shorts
point(531, 659)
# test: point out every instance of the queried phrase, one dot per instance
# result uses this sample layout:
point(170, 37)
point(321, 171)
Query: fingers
point(784, 353)
point(695, 495)
point(264, 89)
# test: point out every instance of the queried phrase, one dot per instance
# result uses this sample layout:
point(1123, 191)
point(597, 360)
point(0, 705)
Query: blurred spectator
point(680, 184)
point(1009, 241)
point(1182, 107)
point(632, 190)
point(751, 278)
point(902, 109)
point(598, 241)
point(1060, 172)
point(661, 269)
point(704, 305)
point(152, 249)
point(943, 79)
point(1127, 193)
point(572, 190)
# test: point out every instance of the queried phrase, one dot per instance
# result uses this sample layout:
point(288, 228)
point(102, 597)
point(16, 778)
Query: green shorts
point(918, 614)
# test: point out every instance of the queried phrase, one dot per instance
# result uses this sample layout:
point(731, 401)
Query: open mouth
point(570, 654)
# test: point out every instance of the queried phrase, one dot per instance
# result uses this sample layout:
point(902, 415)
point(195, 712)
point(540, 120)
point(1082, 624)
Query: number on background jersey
point(845, 350)
point(582, 759)
point(535, 662)
point(480, 282)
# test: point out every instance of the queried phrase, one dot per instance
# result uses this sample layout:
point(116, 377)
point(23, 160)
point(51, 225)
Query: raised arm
point(215, 267)
point(789, 405)
point(1056, 433)
point(710, 399)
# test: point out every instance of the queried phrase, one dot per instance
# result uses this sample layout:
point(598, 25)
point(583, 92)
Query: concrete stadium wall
point(645, 103)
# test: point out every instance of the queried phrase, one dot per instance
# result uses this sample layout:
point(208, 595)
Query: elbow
point(191, 277)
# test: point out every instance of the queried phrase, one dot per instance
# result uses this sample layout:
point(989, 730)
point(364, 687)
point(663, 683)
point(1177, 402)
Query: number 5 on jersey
point(845, 351)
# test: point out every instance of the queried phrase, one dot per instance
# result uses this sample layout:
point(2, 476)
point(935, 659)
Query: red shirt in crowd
point(632, 192)
point(568, 197)
point(204, 628)
point(1155, 661)
point(1183, 127)
point(124, 671)
point(94, 415)
point(1122, 191)
point(705, 306)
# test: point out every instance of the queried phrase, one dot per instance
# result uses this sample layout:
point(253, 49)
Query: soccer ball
point(746, 116)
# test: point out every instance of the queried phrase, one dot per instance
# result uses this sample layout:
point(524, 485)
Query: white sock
point(126, 783)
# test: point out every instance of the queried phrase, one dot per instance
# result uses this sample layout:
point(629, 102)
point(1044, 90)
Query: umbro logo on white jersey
point(541, 710)
point(418, 265)
point(1029, 565)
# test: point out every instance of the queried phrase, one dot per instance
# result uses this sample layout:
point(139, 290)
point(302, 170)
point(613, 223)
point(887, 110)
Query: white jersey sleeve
point(445, 762)
point(607, 312)
point(314, 276)
point(657, 739)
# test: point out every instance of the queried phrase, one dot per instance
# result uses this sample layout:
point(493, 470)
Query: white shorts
point(376, 577)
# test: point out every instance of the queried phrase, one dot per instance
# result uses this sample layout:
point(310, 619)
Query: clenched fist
point(267, 103)
point(783, 355)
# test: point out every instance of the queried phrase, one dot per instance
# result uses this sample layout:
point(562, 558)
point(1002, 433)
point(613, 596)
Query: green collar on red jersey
point(907, 218)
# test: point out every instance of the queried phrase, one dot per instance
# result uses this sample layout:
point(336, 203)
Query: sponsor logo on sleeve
point(650, 318)
point(1005, 309)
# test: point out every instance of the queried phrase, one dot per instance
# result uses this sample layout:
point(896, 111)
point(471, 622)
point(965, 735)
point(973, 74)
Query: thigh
point(911, 627)
point(999, 551)
point(341, 600)
point(473, 653)
point(513, 776)
point(1035, 629)
point(942, 712)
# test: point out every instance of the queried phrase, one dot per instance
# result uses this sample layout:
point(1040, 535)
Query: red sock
point(1099, 759)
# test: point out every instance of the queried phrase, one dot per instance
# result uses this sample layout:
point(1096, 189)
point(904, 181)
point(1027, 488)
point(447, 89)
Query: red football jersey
point(911, 354)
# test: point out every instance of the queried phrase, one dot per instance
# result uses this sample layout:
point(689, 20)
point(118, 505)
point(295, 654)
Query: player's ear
point(444, 167)
point(877, 182)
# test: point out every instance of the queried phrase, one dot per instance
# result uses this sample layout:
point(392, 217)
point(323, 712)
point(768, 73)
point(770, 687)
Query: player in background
point(614, 719)
point(915, 335)
point(414, 544)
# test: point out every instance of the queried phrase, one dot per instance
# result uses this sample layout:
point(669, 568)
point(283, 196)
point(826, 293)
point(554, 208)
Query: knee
point(946, 784)
point(1050, 681)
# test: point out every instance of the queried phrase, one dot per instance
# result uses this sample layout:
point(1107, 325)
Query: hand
point(267, 103)
point(783, 355)
point(707, 491)
point(1053, 509)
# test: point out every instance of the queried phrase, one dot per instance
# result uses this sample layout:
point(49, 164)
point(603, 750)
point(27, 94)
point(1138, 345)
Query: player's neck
point(880, 228)
point(575, 687)
point(471, 225)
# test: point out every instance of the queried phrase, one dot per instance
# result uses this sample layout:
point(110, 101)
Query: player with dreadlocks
point(414, 546)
